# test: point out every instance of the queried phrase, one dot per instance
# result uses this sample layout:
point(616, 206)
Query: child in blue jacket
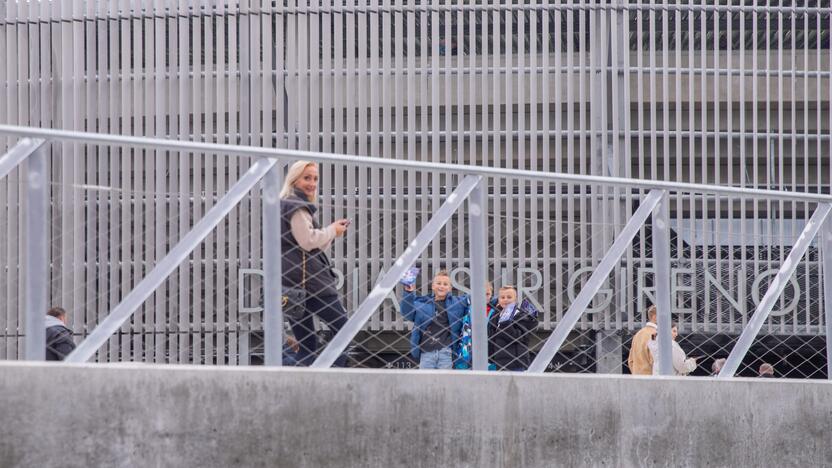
point(437, 322)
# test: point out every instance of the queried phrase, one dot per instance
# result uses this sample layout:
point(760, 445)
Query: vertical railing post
point(826, 251)
point(35, 262)
point(661, 267)
point(272, 281)
point(477, 212)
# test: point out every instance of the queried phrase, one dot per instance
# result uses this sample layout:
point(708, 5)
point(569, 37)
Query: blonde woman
point(306, 264)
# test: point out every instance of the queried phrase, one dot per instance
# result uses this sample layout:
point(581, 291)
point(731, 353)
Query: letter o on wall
point(755, 293)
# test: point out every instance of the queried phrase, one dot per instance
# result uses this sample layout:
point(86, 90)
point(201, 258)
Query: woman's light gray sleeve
point(307, 236)
point(680, 363)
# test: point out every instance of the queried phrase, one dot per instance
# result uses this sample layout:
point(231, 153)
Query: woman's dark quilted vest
point(320, 279)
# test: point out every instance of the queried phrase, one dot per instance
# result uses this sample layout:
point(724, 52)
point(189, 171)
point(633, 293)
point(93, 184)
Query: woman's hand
point(340, 227)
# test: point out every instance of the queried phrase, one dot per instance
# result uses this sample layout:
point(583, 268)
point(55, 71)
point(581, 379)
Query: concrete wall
point(142, 415)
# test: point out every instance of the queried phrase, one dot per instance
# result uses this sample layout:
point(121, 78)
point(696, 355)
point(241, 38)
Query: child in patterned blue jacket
point(464, 361)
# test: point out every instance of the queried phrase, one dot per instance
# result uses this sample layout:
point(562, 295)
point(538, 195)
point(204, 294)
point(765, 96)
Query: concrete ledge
point(143, 415)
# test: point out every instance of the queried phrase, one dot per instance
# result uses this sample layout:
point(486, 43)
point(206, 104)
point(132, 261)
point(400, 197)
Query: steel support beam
point(826, 251)
point(36, 260)
point(390, 279)
point(596, 280)
point(477, 212)
point(774, 290)
point(171, 261)
point(272, 283)
point(661, 281)
point(18, 153)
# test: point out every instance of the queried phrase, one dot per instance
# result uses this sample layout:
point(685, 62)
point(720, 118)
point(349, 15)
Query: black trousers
point(330, 310)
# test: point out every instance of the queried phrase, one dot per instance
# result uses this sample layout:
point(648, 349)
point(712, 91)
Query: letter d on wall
point(241, 299)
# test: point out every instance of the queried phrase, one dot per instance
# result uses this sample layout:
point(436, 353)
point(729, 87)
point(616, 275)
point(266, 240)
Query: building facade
point(731, 94)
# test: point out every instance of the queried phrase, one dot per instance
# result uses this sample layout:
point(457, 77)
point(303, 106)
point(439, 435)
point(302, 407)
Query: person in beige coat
point(640, 360)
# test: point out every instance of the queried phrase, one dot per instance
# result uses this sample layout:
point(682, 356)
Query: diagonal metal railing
point(268, 169)
point(165, 267)
point(389, 281)
point(776, 288)
point(579, 305)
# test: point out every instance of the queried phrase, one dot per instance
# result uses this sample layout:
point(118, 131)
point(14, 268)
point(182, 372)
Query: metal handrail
point(366, 161)
point(474, 174)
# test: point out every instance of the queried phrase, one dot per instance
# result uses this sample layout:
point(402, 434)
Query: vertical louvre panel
point(235, 76)
point(157, 247)
point(227, 330)
point(729, 96)
point(6, 53)
point(136, 200)
point(207, 296)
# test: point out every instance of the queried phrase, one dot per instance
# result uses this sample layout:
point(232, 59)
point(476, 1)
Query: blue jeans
point(290, 358)
point(439, 359)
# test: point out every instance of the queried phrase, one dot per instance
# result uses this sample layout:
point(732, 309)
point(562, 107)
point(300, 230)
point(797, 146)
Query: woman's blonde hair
point(295, 171)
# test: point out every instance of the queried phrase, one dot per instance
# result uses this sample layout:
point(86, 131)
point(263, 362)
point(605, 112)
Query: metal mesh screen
point(721, 94)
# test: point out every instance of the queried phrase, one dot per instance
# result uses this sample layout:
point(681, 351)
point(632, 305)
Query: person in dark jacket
point(437, 322)
point(59, 341)
point(305, 262)
point(509, 328)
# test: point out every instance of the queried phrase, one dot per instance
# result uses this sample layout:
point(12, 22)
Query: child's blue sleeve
point(408, 306)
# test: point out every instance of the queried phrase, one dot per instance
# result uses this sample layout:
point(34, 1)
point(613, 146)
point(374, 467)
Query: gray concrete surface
point(142, 415)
